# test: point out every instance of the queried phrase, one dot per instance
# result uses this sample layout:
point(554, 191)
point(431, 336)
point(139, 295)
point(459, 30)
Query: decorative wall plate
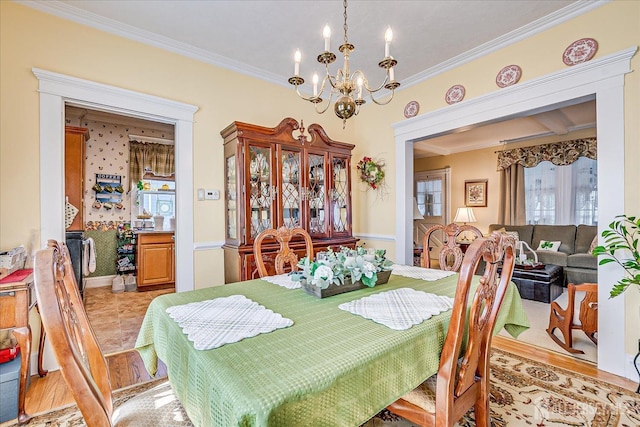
point(411, 109)
point(580, 51)
point(508, 76)
point(455, 94)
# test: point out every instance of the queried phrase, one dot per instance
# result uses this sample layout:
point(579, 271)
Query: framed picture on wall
point(475, 193)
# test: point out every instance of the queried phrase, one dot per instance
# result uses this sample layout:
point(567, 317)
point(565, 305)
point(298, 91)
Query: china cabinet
point(273, 178)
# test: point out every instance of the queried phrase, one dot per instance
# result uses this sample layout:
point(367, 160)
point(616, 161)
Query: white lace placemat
point(216, 322)
point(283, 280)
point(428, 274)
point(399, 309)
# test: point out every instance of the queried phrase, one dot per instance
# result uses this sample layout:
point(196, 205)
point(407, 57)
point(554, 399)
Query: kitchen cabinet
point(75, 139)
point(273, 178)
point(155, 259)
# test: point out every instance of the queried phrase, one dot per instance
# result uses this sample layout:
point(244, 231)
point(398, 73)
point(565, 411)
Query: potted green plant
point(621, 246)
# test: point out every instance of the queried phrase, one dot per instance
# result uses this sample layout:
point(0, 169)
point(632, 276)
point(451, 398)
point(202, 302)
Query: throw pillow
point(511, 233)
point(546, 245)
point(593, 245)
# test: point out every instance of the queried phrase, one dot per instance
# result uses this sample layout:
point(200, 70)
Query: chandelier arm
point(365, 82)
point(382, 102)
point(333, 81)
point(326, 106)
point(306, 98)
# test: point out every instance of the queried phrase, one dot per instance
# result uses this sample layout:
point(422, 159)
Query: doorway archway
point(602, 79)
point(58, 89)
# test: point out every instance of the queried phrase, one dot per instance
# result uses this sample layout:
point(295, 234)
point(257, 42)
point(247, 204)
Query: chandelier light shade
point(345, 85)
point(464, 215)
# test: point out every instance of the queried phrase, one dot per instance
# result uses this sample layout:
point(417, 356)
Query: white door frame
point(57, 89)
point(603, 78)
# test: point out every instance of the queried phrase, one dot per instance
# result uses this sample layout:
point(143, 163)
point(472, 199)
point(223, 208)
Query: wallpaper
point(107, 154)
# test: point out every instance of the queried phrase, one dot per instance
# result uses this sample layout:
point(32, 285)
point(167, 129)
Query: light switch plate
point(200, 193)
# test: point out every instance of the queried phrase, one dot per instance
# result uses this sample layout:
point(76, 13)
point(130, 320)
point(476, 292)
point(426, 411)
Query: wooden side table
point(17, 298)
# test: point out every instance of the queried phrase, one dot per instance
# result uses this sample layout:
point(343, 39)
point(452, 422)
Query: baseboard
point(97, 282)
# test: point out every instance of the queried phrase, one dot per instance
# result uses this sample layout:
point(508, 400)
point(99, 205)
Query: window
point(562, 194)
point(429, 197)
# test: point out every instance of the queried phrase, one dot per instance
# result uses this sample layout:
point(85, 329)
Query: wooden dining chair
point(462, 380)
point(283, 236)
point(78, 353)
point(563, 319)
point(450, 258)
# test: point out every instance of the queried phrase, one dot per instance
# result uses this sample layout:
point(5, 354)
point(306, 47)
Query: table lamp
point(464, 215)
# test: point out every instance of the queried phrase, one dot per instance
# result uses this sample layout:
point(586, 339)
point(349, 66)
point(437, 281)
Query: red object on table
point(17, 276)
point(8, 354)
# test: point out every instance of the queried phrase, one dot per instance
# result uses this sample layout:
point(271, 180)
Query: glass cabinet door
point(290, 186)
point(339, 195)
point(232, 197)
point(317, 195)
point(260, 190)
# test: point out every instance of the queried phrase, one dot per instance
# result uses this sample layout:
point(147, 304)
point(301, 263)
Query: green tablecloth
point(331, 368)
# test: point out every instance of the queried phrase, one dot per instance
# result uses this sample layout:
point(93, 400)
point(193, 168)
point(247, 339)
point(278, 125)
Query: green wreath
point(371, 172)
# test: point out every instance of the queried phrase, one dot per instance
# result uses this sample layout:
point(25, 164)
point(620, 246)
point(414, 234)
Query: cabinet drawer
point(151, 238)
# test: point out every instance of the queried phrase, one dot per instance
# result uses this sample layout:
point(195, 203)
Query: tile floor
point(116, 318)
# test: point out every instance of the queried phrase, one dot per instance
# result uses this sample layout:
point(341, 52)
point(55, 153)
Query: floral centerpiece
point(347, 269)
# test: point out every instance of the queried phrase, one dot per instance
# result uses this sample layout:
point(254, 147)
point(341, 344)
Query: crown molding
point(560, 16)
point(66, 11)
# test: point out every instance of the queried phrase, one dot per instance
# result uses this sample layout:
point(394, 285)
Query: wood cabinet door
point(74, 149)
point(155, 264)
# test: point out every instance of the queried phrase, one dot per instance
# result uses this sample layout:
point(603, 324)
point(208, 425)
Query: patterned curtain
point(559, 153)
point(158, 159)
point(511, 164)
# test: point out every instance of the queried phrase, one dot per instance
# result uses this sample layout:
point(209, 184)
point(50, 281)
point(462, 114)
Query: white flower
point(368, 269)
point(323, 276)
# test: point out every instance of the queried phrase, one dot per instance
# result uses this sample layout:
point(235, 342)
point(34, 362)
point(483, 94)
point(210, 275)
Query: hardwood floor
point(126, 367)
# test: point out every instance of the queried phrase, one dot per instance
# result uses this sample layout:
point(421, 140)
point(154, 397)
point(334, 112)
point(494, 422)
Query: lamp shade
point(416, 211)
point(464, 215)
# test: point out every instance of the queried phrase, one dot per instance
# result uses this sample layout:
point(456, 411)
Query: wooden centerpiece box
point(347, 286)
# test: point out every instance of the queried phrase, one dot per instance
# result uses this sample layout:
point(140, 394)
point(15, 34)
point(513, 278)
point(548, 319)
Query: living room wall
point(481, 164)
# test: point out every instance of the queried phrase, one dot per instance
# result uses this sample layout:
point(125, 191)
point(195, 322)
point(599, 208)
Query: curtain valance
point(156, 158)
point(559, 153)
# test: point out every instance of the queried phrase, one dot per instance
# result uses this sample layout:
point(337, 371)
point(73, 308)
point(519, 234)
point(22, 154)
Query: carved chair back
point(83, 366)
point(74, 344)
point(285, 255)
point(451, 255)
point(462, 380)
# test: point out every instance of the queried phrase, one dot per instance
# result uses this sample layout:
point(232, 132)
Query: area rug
point(523, 393)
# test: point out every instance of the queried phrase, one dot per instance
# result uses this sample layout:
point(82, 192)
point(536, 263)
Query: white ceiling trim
point(526, 31)
point(65, 11)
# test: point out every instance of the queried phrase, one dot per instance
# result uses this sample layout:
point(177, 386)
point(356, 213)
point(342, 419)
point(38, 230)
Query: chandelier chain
point(348, 86)
point(346, 41)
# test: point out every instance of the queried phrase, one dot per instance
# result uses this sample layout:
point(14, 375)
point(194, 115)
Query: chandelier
point(347, 86)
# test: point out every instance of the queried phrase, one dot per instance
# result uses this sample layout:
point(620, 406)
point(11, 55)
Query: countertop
point(152, 231)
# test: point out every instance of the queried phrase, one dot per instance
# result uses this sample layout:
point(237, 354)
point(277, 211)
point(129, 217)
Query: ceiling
point(258, 38)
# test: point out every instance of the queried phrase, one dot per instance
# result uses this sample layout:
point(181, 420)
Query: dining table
point(328, 368)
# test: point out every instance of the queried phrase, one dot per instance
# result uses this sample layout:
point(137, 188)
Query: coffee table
point(539, 284)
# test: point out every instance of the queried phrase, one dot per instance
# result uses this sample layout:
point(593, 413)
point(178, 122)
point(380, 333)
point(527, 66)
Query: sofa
point(573, 255)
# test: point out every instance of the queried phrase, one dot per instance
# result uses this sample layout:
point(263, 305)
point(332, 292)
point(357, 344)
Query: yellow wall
point(33, 39)
point(29, 38)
